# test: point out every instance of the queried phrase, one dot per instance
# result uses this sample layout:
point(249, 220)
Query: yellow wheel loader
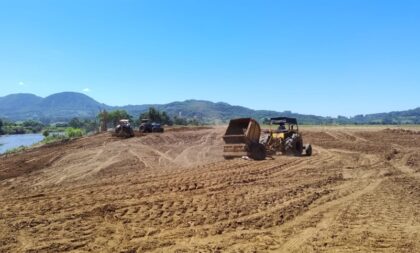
point(243, 137)
point(283, 136)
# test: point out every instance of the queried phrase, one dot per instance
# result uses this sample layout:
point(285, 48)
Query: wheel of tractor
point(288, 145)
point(298, 148)
point(258, 151)
point(141, 129)
point(118, 130)
point(308, 150)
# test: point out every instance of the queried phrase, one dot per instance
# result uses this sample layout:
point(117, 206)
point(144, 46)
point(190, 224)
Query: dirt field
point(359, 192)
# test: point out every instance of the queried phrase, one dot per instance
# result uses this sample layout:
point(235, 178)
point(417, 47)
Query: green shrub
point(74, 132)
point(46, 133)
point(54, 138)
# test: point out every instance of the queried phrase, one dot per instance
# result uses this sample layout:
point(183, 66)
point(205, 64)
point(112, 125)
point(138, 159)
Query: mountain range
point(66, 105)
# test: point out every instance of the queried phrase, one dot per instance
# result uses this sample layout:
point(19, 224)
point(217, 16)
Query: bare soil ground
point(172, 192)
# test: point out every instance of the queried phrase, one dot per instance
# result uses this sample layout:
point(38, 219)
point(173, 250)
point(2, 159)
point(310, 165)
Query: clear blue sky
point(319, 57)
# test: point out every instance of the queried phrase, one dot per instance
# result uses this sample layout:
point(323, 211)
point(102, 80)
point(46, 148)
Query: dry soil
point(173, 192)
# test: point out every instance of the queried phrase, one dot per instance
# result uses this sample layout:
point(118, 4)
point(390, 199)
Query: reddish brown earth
point(173, 192)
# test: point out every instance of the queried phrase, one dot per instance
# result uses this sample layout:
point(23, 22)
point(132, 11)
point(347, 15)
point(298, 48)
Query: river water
point(13, 141)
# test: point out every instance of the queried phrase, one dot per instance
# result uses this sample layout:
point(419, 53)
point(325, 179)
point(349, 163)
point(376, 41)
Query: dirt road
point(359, 192)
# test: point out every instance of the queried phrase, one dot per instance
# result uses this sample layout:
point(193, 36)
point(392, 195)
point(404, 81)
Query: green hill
point(66, 105)
point(57, 107)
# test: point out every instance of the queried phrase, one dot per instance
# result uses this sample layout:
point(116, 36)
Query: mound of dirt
point(104, 155)
point(186, 128)
point(400, 131)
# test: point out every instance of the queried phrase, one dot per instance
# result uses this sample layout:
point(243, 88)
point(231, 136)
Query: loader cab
point(284, 125)
point(124, 122)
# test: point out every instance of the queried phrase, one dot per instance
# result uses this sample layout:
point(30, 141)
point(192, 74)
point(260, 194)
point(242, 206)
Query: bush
point(54, 138)
point(46, 133)
point(74, 132)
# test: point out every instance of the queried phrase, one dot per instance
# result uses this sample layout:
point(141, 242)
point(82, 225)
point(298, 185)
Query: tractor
point(244, 138)
point(284, 137)
point(124, 129)
point(147, 126)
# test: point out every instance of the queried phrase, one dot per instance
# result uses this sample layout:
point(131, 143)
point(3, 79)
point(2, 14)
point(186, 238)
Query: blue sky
point(318, 57)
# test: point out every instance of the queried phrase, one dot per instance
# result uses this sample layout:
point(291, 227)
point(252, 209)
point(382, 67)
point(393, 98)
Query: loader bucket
point(243, 130)
point(240, 134)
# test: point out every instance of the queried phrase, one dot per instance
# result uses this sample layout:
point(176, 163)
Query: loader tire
point(308, 150)
point(131, 132)
point(289, 144)
point(118, 130)
point(258, 152)
point(298, 148)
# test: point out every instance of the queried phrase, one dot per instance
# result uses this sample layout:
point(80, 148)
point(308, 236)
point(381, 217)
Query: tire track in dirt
point(174, 193)
point(328, 211)
point(381, 220)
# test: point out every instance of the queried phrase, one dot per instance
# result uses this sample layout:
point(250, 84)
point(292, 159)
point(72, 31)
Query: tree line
point(113, 117)
point(28, 126)
point(92, 125)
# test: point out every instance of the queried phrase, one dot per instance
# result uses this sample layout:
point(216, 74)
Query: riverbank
point(10, 142)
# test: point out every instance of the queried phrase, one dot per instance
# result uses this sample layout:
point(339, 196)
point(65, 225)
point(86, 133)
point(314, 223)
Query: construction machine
point(124, 129)
point(283, 136)
point(147, 126)
point(244, 138)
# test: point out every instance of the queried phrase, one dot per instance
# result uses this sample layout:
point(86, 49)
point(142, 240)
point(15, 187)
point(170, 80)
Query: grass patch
point(74, 132)
point(54, 138)
point(15, 150)
point(69, 133)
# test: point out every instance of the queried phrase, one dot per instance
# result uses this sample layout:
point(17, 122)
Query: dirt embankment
point(172, 192)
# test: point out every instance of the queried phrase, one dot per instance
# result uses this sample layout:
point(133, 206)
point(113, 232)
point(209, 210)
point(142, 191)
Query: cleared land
point(172, 192)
